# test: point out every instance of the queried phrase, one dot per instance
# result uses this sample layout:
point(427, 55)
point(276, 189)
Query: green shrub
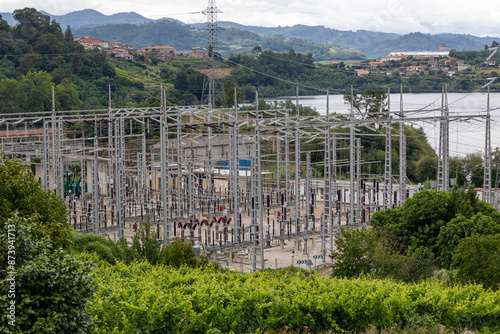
point(375, 252)
point(145, 244)
point(157, 299)
point(178, 253)
point(105, 249)
point(352, 252)
point(102, 251)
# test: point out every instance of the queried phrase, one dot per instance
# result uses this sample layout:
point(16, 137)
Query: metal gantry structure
point(202, 174)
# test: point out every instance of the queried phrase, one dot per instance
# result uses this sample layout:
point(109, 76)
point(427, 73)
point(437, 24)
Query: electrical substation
point(234, 183)
point(201, 173)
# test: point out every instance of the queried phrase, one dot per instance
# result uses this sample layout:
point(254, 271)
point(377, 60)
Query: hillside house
point(111, 48)
point(161, 52)
point(414, 69)
point(375, 64)
point(198, 52)
point(361, 72)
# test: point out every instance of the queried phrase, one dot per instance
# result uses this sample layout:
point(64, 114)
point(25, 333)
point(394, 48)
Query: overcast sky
point(479, 17)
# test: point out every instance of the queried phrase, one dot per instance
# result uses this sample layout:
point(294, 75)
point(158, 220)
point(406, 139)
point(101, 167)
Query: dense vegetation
point(36, 55)
point(373, 44)
point(433, 230)
point(48, 286)
point(51, 266)
point(142, 298)
point(230, 40)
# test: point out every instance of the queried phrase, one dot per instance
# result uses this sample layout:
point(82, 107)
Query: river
point(466, 136)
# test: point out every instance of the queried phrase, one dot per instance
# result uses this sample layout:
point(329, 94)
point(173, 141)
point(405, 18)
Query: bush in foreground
point(141, 298)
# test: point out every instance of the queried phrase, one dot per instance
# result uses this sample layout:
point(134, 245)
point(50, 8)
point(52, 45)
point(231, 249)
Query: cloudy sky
point(480, 17)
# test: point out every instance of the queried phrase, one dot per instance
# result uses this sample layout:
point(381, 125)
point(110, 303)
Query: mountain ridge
point(372, 44)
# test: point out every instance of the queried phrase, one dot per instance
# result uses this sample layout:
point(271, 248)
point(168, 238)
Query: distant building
point(161, 52)
point(421, 54)
point(463, 67)
point(111, 48)
point(361, 72)
point(375, 64)
point(197, 52)
point(22, 141)
point(389, 58)
point(414, 69)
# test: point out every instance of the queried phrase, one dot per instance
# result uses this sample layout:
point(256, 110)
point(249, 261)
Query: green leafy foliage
point(177, 254)
point(51, 286)
point(142, 298)
point(375, 253)
point(370, 103)
point(105, 249)
point(144, 247)
point(352, 252)
point(476, 259)
point(459, 228)
point(21, 193)
point(417, 223)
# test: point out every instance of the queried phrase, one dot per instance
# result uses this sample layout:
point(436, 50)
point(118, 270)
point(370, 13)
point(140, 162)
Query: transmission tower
point(212, 45)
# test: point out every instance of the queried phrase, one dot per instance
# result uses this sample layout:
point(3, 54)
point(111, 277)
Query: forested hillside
point(36, 54)
point(231, 40)
point(373, 44)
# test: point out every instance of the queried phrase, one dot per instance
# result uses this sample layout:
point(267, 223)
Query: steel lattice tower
point(212, 44)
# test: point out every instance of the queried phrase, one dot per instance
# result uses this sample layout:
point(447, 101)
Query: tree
point(51, 286)
point(426, 168)
point(351, 255)
point(35, 92)
point(228, 94)
point(375, 252)
point(178, 253)
point(145, 245)
point(68, 34)
point(66, 96)
point(417, 223)
point(23, 195)
point(476, 259)
point(370, 103)
point(31, 24)
point(459, 228)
